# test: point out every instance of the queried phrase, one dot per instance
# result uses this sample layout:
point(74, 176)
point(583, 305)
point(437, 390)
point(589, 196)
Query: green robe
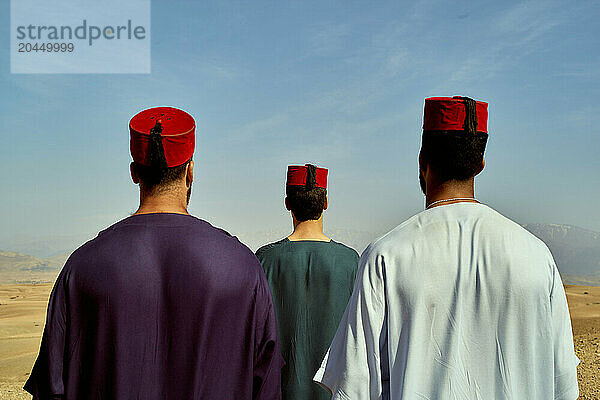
point(311, 282)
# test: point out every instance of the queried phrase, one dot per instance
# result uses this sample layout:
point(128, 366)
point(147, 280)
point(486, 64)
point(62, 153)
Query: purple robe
point(160, 306)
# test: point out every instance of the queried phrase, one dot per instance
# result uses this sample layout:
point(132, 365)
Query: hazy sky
point(339, 84)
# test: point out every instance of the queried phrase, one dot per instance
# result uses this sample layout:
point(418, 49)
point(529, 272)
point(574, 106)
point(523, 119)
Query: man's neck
point(162, 203)
point(449, 191)
point(309, 230)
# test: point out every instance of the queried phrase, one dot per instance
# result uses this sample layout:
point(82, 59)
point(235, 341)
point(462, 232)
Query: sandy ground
point(23, 307)
point(22, 317)
point(584, 305)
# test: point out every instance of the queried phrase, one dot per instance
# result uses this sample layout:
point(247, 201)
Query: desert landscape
point(22, 317)
point(584, 305)
point(23, 307)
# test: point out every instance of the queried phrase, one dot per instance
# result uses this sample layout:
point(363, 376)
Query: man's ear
point(134, 176)
point(422, 165)
point(481, 167)
point(189, 173)
point(287, 207)
point(326, 203)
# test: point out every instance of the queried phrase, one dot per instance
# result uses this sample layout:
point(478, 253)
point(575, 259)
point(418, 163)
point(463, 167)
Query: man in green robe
point(311, 279)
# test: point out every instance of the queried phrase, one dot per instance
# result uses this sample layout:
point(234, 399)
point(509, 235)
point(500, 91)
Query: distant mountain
point(43, 246)
point(575, 250)
point(23, 268)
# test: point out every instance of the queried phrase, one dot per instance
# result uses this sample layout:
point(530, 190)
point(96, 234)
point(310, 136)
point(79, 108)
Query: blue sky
point(339, 84)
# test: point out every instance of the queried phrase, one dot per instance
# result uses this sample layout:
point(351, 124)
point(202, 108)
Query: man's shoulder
point(269, 249)
point(192, 225)
point(420, 227)
point(345, 249)
point(284, 248)
point(401, 234)
point(496, 224)
point(198, 234)
point(166, 220)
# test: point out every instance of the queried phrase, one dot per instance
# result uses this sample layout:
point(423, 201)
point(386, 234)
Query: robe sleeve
point(352, 367)
point(46, 379)
point(565, 360)
point(268, 360)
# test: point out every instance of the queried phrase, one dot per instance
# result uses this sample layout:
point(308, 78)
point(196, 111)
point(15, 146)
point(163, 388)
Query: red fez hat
point(177, 131)
point(297, 174)
point(452, 114)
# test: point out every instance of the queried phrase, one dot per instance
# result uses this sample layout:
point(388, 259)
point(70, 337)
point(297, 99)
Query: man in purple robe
point(161, 305)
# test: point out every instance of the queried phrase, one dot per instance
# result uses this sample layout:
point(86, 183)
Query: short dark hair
point(155, 177)
point(306, 202)
point(453, 155)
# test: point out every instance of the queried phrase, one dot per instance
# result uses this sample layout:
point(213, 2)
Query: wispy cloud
point(508, 37)
point(528, 21)
point(587, 71)
point(326, 39)
point(259, 129)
